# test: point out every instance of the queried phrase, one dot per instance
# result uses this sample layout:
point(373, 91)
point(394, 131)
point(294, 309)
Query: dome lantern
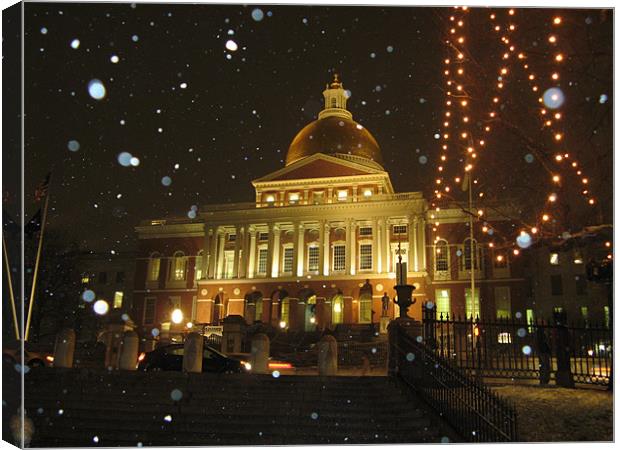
point(335, 100)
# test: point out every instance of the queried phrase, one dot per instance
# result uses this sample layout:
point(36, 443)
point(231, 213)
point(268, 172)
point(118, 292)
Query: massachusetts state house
point(318, 246)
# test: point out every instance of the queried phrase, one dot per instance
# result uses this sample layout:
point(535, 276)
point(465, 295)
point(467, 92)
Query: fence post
point(64, 348)
point(544, 355)
point(393, 334)
point(563, 376)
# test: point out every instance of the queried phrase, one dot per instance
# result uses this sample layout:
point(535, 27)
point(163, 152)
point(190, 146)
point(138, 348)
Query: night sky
point(213, 119)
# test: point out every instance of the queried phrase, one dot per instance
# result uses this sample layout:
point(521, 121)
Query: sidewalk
point(554, 414)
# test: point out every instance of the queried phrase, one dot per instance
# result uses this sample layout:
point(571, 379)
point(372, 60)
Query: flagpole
point(10, 281)
point(36, 266)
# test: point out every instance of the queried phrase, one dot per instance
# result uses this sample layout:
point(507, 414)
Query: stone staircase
point(83, 408)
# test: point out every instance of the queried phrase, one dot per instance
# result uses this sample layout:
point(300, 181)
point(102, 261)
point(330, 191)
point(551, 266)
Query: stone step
point(191, 434)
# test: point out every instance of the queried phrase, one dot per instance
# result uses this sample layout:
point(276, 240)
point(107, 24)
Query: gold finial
point(336, 83)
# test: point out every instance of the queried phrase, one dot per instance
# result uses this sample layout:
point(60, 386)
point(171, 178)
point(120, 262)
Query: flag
point(41, 190)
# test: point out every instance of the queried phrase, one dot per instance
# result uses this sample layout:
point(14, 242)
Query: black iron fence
point(472, 409)
point(515, 348)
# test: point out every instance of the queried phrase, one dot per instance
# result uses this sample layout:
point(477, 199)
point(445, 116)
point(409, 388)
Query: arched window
point(285, 311)
point(198, 266)
point(153, 267)
point(442, 256)
point(178, 266)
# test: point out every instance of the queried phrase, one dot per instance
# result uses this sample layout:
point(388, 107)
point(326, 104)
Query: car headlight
point(246, 365)
point(50, 358)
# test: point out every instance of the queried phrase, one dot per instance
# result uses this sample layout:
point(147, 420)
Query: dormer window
point(342, 195)
point(293, 197)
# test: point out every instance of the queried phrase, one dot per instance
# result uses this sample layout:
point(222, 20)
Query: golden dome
point(332, 135)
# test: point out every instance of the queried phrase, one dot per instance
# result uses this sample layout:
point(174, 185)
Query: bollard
point(259, 357)
point(328, 355)
point(64, 348)
point(192, 353)
point(129, 351)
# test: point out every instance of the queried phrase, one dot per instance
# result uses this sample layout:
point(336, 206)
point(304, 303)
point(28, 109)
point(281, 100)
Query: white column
point(301, 246)
point(422, 241)
point(252, 253)
point(213, 253)
point(347, 246)
point(220, 254)
point(330, 195)
point(353, 250)
point(243, 260)
point(275, 252)
point(326, 238)
point(376, 260)
point(413, 238)
point(206, 251)
point(386, 246)
point(306, 198)
point(238, 232)
point(321, 246)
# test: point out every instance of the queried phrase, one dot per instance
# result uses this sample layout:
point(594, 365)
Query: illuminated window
point(318, 197)
point(399, 229)
point(367, 193)
point(263, 236)
point(472, 305)
point(365, 308)
point(313, 258)
point(153, 269)
point(149, 310)
point(584, 314)
point(338, 262)
point(577, 258)
point(337, 309)
point(606, 312)
point(502, 302)
point(262, 261)
point(342, 195)
point(259, 309)
point(442, 302)
point(270, 198)
point(178, 266)
point(365, 256)
point(287, 260)
point(554, 259)
point(529, 315)
point(293, 197)
point(365, 231)
point(118, 299)
point(198, 266)
point(285, 312)
point(85, 279)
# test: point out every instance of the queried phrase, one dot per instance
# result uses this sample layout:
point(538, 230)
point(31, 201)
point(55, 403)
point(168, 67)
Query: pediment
point(319, 166)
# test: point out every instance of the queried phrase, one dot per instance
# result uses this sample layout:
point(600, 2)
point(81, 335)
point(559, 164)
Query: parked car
point(32, 358)
point(170, 357)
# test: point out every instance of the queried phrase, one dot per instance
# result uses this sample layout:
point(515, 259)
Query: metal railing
point(514, 348)
point(471, 408)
